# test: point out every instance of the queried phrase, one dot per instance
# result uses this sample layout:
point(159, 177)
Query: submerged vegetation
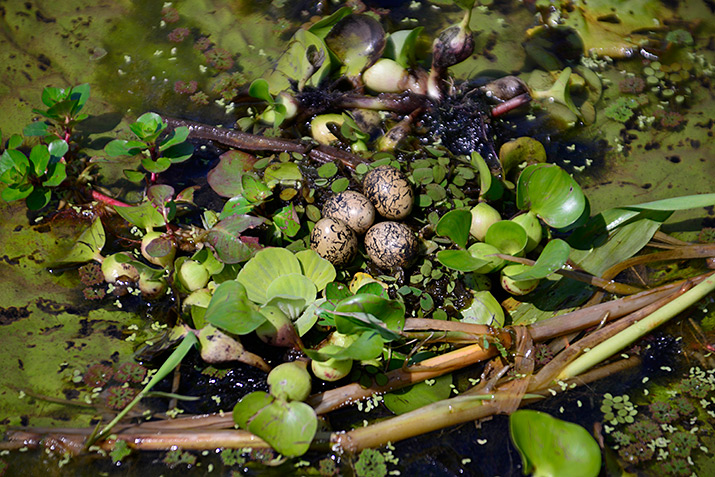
point(373, 232)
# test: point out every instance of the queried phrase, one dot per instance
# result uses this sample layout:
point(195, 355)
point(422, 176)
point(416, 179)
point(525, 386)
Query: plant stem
point(171, 362)
point(98, 196)
point(637, 330)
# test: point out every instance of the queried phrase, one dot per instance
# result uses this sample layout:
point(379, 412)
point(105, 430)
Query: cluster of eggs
point(389, 244)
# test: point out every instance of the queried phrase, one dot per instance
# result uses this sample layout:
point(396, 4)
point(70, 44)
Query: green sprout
point(32, 178)
point(62, 114)
point(158, 152)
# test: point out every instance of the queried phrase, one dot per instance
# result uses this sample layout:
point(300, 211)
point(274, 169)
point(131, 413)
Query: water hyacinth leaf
point(306, 60)
point(520, 150)
point(460, 260)
point(286, 219)
point(552, 447)
point(373, 288)
point(419, 395)
point(289, 427)
point(225, 238)
point(316, 268)
point(370, 312)
point(145, 216)
point(367, 346)
point(230, 309)
point(401, 46)
point(259, 90)
point(322, 27)
point(484, 310)
point(225, 178)
point(335, 291)
point(357, 41)
point(620, 245)
point(267, 265)
point(552, 258)
point(485, 175)
point(88, 244)
point(455, 225)
point(484, 251)
point(551, 193)
point(509, 237)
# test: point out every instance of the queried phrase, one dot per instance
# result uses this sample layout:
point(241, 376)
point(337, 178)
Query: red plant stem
point(98, 196)
point(510, 104)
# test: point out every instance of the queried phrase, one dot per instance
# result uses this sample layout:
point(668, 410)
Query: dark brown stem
point(254, 142)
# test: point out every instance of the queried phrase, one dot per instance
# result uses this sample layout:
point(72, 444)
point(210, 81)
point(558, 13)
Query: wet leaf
point(460, 260)
point(552, 447)
point(484, 310)
point(88, 245)
point(551, 193)
point(145, 216)
point(225, 178)
point(225, 238)
point(455, 225)
point(509, 237)
point(419, 395)
point(231, 310)
point(289, 427)
point(552, 258)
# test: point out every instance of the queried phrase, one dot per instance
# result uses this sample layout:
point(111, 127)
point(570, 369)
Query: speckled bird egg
point(334, 241)
point(389, 191)
point(352, 208)
point(391, 244)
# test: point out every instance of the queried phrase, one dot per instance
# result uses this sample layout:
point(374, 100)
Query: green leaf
point(484, 310)
point(315, 268)
point(323, 26)
point(370, 312)
point(286, 219)
point(236, 206)
point(160, 165)
point(291, 285)
point(677, 203)
point(231, 310)
point(401, 46)
point(225, 238)
point(552, 258)
point(295, 63)
point(253, 190)
point(509, 237)
point(38, 128)
point(368, 345)
point(551, 193)
point(552, 447)
point(79, 95)
point(460, 260)
point(40, 157)
point(58, 148)
point(419, 395)
point(88, 244)
point(225, 178)
point(145, 216)
point(267, 265)
point(179, 152)
point(17, 192)
point(38, 198)
point(120, 147)
point(485, 174)
point(52, 95)
point(455, 225)
point(286, 173)
point(289, 427)
point(148, 126)
point(259, 90)
point(56, 174)
point(177, 136)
